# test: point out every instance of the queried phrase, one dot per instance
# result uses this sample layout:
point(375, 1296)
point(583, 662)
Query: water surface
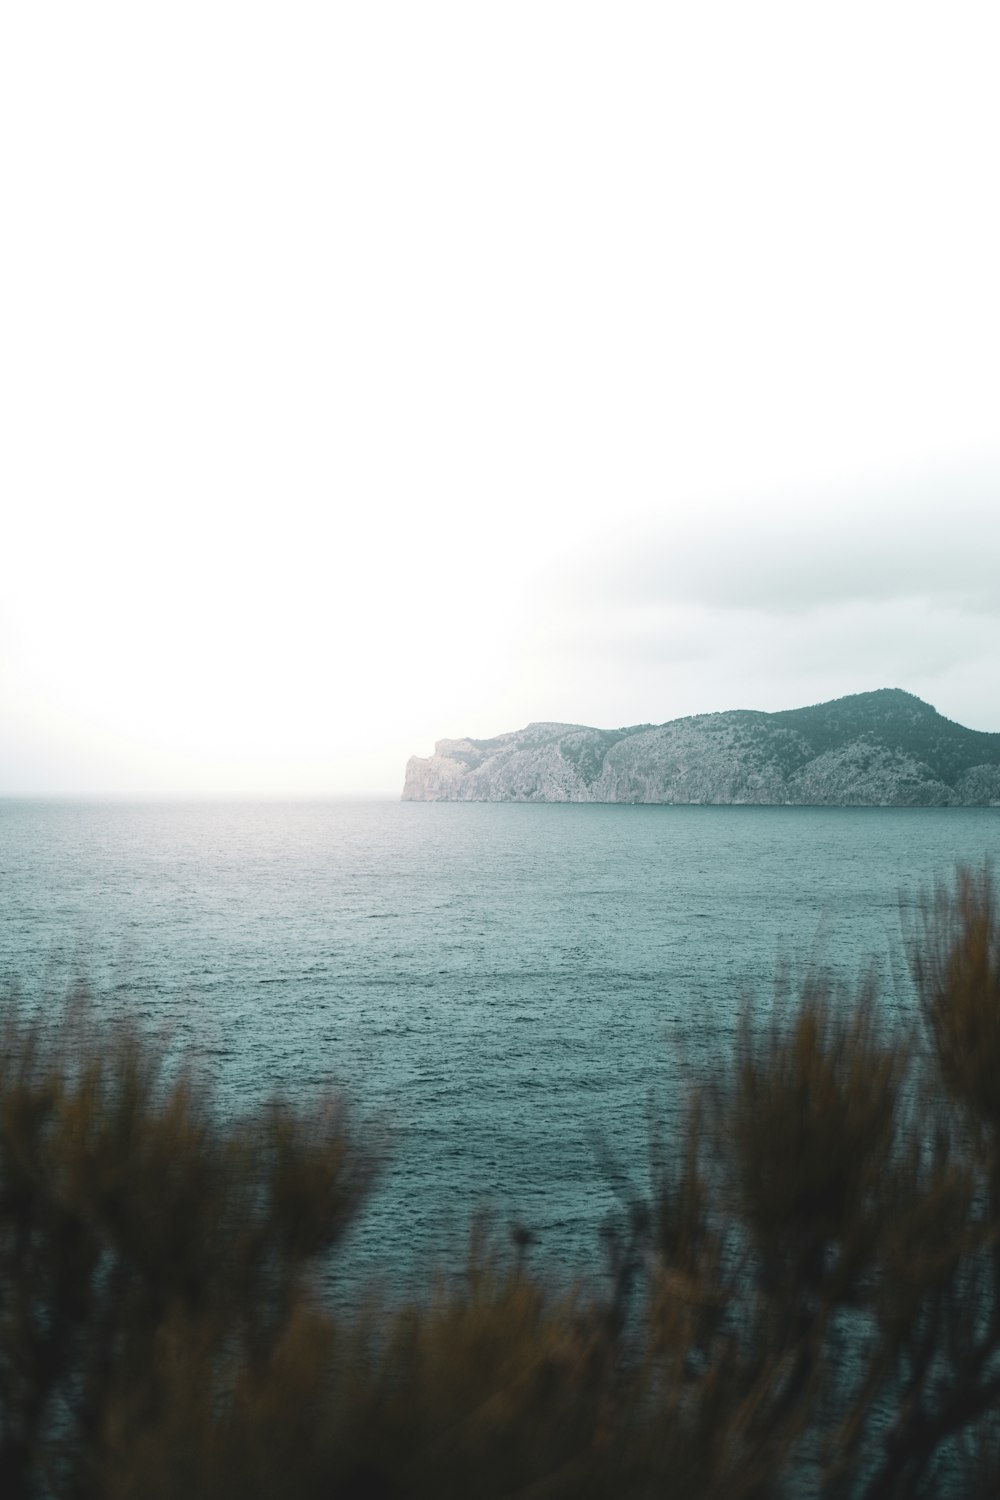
point(516, 988)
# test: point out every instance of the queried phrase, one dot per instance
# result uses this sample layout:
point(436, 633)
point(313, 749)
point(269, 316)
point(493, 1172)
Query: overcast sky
point(373, 373)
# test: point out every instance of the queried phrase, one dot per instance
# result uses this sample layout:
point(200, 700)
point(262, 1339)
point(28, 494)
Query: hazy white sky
point(378, 372)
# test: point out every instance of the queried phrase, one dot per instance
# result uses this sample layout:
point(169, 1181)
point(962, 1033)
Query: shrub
point(846, 1179)
point(148, 1253)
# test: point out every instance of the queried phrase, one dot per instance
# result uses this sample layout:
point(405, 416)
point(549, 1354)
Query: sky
point(377, 373)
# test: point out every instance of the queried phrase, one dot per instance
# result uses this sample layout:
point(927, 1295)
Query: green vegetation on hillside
point(806, 1302)
point(899, 721)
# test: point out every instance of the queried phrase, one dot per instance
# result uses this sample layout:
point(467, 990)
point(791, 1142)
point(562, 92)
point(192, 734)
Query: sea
point(515, 999)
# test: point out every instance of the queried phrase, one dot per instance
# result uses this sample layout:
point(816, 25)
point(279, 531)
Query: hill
point(881, 749)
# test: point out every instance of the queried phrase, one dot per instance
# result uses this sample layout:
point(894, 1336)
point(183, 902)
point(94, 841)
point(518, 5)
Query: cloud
point(782, 602)
point(935, 540)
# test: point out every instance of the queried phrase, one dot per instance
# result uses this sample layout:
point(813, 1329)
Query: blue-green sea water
point(515, 992)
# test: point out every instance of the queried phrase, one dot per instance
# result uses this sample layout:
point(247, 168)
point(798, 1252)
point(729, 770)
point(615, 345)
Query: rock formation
point(881, 749)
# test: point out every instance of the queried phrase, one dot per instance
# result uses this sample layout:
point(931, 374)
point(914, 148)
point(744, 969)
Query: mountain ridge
point(882, 748)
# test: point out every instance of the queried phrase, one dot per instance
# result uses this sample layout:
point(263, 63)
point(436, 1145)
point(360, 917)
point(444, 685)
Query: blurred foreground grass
point(806, 1302)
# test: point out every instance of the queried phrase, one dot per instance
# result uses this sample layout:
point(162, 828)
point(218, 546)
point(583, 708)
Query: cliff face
point(882, 749)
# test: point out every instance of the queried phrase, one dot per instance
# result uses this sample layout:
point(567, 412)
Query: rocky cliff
point(881, 749)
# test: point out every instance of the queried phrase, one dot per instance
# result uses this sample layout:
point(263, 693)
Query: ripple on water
point(514, 990)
